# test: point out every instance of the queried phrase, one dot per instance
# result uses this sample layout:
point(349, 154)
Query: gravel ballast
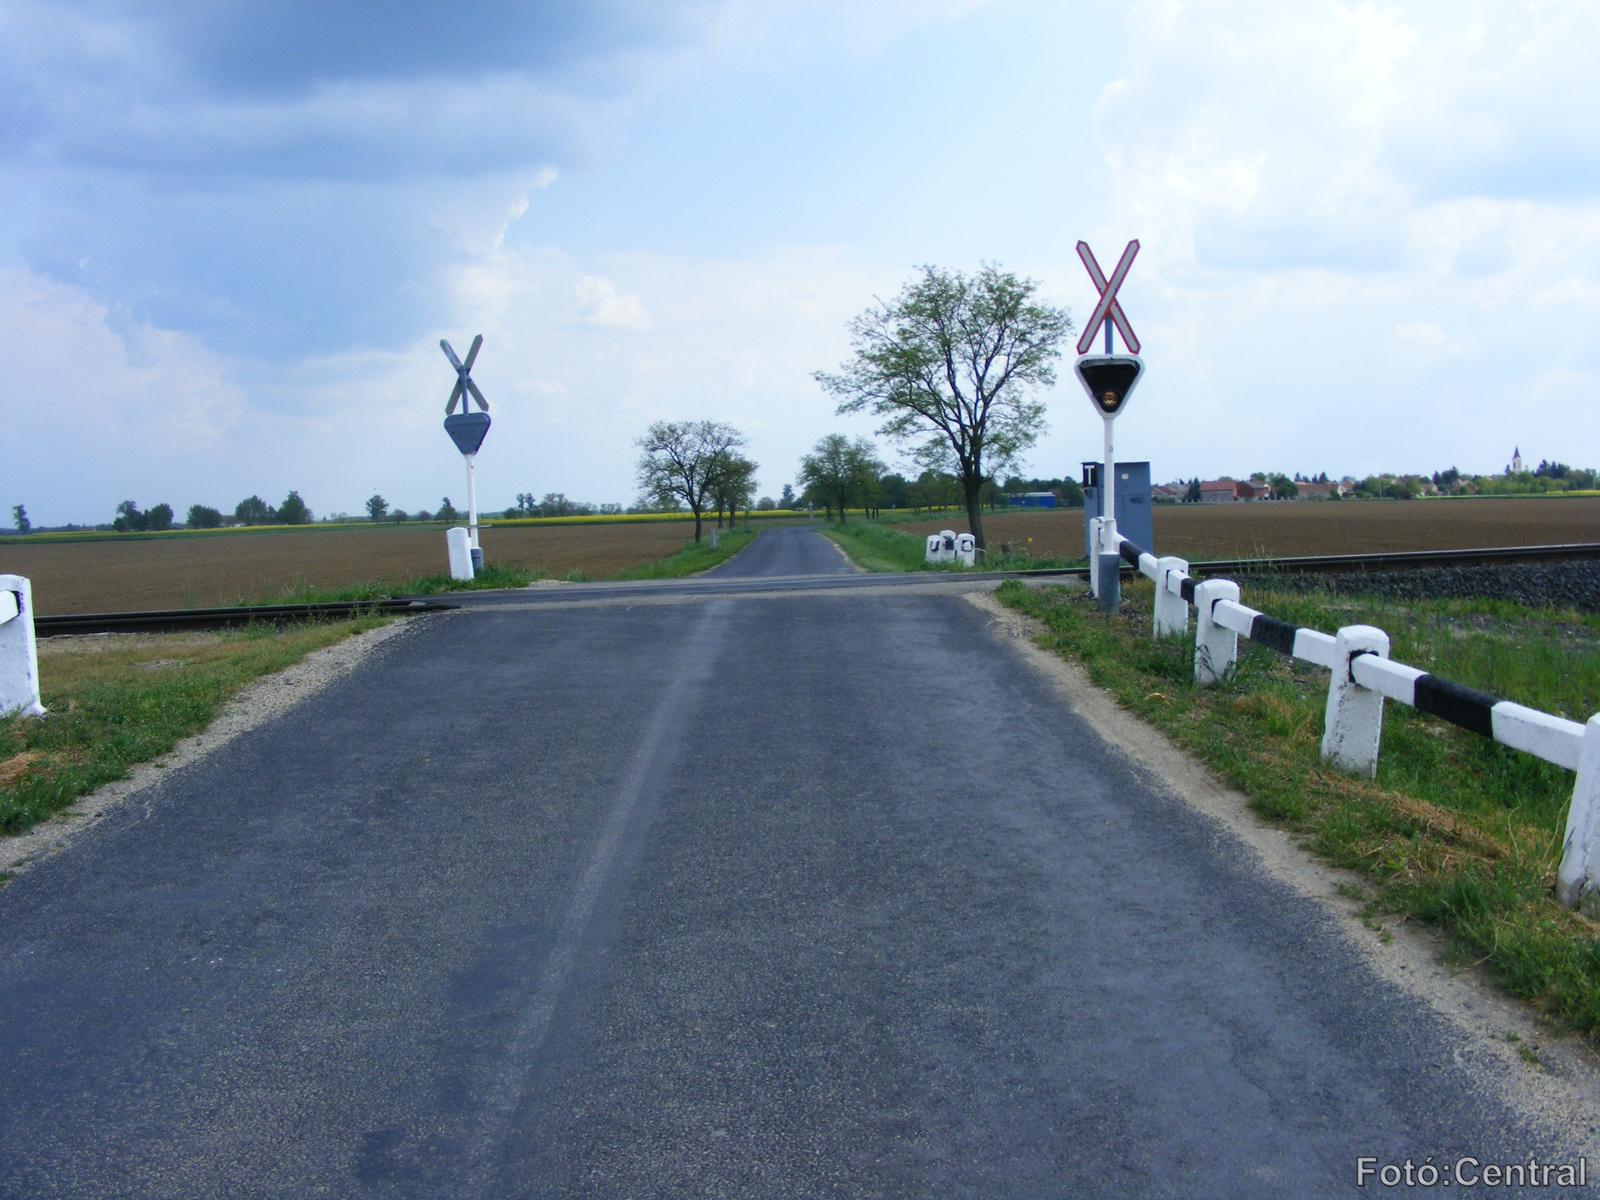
point(1539, 585)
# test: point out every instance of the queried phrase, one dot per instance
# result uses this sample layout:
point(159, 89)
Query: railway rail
point(1387, 560)
point(171, 620)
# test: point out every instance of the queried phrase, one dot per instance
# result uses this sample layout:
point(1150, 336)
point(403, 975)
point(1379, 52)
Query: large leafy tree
point(681, 460)
point(950, 364)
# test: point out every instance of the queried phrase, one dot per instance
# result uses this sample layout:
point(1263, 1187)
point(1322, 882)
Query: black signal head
point(1109, 379)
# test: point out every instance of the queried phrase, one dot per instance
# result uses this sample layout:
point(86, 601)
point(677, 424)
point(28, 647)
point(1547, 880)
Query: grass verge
point(876, 545)
point(693, 558)
point(124, 699)
point(1456, 831)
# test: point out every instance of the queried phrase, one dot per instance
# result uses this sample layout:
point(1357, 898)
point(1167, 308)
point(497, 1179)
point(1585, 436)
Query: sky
point(232, 232)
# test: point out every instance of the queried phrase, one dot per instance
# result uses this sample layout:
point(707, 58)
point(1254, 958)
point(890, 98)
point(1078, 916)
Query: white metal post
point(1108, 498)
point(472, 502)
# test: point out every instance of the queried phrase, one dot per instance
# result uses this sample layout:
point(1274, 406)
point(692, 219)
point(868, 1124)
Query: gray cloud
point(295, 88)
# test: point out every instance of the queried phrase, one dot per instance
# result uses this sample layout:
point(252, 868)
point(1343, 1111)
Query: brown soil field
point(1205, 531)
point(197, 572)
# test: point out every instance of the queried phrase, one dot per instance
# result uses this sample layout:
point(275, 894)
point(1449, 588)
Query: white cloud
point(598, 298)
point(1346, 263)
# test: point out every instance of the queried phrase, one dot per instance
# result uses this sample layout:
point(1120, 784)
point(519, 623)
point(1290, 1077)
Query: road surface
point(697, 893)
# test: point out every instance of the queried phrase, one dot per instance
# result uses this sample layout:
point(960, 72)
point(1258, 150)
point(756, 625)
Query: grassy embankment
point(1456, 831)
point(876, 545)
point(124, 700)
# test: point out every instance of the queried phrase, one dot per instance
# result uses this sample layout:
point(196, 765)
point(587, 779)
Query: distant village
point(1518, 479)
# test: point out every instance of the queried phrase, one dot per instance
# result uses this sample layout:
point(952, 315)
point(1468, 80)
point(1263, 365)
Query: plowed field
point(1204, 531)
point(198, 571)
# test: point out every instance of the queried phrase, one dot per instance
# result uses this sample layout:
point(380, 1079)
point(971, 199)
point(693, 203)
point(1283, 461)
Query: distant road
point(746, 893)
point(794, 550)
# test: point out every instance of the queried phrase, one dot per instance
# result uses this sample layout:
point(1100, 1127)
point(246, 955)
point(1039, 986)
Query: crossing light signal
point(1109, 379)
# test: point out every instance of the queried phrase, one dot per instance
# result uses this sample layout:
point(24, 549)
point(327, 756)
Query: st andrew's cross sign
point(1108, 310)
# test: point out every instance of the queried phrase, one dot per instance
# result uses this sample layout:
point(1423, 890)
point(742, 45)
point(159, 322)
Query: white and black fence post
point(19, 652)
point(1172, 610)
point(1578, 878)
point(1216, 649)
point(1363, 676)
point(1353, 727)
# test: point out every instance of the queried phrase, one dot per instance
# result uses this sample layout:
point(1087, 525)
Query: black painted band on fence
point(1186, 589)
point(1459, 705)
point(1273, 633)
point(1130, 552)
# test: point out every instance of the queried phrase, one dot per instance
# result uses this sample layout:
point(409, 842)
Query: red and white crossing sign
point(1108, 310)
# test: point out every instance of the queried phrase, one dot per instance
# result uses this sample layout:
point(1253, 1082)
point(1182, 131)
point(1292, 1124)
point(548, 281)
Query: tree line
point(252, 510)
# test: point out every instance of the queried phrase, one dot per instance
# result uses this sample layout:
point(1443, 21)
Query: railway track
point(175, 619)
point(1388, 560)
point(171, 620)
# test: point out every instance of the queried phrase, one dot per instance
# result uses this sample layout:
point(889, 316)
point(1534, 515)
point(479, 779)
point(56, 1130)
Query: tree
point(1192, 492)
point(253, 510)
point(949, 364)
point(293, 511)
point(19, 518)
point(202, 517)
point(786, 500)
point(733, 483)
point(377, 507)
point(679, 463)
point(129, 519)
point(159, 517)
point(447, 511)
point(836, 471)
point(867, 471)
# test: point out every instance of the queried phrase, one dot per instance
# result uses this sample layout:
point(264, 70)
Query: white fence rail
point(1363, 676)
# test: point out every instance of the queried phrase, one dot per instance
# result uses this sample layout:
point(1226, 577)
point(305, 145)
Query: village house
point(1230, 491)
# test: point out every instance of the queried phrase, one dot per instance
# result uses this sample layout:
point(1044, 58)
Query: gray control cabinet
point(1132, 499)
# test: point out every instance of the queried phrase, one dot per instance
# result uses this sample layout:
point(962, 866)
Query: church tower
point(1516, 460)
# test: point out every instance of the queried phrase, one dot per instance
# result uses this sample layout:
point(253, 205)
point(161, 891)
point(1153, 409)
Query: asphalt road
point(765, 895)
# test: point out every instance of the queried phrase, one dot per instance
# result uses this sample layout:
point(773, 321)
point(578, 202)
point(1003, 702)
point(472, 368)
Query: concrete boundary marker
point(19, 650)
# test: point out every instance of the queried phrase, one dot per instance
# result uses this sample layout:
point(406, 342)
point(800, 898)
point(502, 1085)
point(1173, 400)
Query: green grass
point(493, 575)
point(876, 545)
point(126, 699)
point(1456, 831)
point(693, 558)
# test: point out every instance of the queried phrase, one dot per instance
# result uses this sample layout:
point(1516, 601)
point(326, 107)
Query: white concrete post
point(19, 652)
point(966, 552)
point(1215, 649)
point(1172, 610)
point(1353, 728)
point(459, 542)
point(714, 533)
point(1578, 880)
